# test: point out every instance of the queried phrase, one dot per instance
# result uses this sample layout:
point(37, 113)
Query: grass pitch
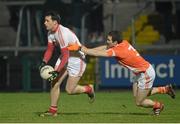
point(109, 107)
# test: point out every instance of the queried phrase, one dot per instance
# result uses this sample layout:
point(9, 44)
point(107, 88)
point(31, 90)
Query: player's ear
point(55, 22)
point(115, 42)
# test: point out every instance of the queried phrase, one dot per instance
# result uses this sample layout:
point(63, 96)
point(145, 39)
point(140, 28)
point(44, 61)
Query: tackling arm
point(75, 47)
point(103, 47)
point(94, 52)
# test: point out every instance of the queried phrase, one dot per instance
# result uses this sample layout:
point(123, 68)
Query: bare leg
point(154, 91)
point(72, 86)
point(54, 94)
point(140, 96)
point(168, 89)
point(142, 100)
point(55, 89)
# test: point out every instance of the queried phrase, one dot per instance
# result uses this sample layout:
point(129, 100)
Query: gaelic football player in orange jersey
point(127, 56)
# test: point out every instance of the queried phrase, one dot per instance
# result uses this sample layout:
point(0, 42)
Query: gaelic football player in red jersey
point(70, 63)
point(144, 73)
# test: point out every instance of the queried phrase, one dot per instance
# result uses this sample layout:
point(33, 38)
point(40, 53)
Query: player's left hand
point(54, 75)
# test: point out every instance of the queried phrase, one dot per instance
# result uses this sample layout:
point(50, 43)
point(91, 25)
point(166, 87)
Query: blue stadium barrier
point(167, 71)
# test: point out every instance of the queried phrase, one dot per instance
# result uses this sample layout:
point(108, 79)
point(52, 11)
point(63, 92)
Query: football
point(44, 72)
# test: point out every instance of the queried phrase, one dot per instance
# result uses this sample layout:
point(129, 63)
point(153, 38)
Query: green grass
point(109, 107)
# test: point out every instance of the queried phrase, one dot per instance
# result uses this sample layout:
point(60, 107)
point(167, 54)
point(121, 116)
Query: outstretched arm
point(94, 52)
point(75, 47)
point(97, 51)
point(103, 47)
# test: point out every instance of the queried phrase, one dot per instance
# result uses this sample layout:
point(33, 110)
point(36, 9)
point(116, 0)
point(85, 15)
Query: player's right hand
point(42, 65)
point(54, 75)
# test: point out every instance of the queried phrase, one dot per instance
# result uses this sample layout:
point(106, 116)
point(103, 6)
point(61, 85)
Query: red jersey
point(128, 57)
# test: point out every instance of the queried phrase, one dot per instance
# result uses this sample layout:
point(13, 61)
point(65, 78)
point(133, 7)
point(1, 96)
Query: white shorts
point(145, 80)
point(76, 66)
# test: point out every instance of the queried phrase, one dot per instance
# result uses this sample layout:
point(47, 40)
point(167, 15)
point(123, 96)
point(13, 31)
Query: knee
point(138, 103)
point(69, 91)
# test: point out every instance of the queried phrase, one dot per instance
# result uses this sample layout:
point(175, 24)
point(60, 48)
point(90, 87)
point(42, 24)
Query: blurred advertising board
point(167, 71)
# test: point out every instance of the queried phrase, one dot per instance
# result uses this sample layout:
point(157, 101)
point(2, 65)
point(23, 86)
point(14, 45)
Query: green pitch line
point(109, 107)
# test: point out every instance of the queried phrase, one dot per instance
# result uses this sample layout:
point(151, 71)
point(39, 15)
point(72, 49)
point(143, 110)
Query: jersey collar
point(57, 27)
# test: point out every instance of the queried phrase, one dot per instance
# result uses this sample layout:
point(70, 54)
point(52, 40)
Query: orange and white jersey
point(63, 37)
point(128, 57)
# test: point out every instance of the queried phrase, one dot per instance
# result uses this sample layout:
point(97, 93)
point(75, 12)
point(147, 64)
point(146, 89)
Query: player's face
point(49, 23)
point(110, 42)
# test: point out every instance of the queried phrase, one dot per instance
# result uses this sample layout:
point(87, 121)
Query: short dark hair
point(54, 16)
point(116, 36)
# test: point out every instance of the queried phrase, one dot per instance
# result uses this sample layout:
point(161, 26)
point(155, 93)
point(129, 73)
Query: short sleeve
point(111, 52)
point(72, 38)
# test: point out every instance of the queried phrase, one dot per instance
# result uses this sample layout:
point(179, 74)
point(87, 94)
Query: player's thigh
point(72, 82)
point(145, 80)
point(76, 66)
